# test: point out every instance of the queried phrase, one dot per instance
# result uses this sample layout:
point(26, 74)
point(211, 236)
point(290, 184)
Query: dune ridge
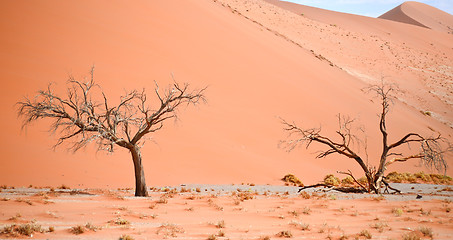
point(422, 15)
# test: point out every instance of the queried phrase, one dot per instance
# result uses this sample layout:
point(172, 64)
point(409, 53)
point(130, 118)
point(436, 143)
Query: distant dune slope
point(422, 15)
point(419, 60)
point(259, 61)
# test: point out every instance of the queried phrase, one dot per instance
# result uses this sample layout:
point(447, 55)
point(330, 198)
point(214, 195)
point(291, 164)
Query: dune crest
point(422, 15)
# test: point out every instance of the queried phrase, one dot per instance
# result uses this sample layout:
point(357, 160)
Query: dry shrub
point(169, 230)
point(91, 227)
point(81, 229)
point(121, 221)
point(24, 229)
point(285, 234)
point(366, 234)
point(440, 179)
point(242, 196)
point(78, 229)
point(410, 236)
point(426, 231)
point(347, 181)
point(363, 181)
point(418, 177)
point(220, 224)
point(397, 212)
point(331, 180)
point(221, 233)
point(212, 237)
point(293, 180)
point(380, 226)
point(15, 217)
point(300, 225)
point(126, 237)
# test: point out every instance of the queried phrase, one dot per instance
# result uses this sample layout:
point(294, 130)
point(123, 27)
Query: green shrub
point(331, 180)
point(347, 181)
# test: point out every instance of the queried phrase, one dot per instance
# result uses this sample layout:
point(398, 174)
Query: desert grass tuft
point(331, 180)
point(366, 234)
point(284, 234)
point(397, 212)
point(426, 231)
point(169, 230)
point(410, 236)
point(126, 237)
point(220, 224)
point(78, 229)
point(292, 180)
point(24, 229)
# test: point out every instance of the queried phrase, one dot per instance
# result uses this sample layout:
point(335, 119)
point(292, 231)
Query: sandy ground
point(230, 212)
point(260, 61)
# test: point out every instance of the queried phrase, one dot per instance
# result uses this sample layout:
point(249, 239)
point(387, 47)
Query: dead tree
point(85, 115)
point(431, 149)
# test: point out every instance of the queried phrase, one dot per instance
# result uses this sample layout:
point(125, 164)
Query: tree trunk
point(140, 183)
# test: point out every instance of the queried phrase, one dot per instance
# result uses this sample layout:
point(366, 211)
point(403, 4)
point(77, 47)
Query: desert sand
point(421, 14)
point(261, 61)
point(228, 212)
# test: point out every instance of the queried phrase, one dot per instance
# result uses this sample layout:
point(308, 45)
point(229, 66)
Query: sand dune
point(422, 15)
point(260, 62)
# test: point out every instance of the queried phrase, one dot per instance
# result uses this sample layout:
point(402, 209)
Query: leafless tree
point(431, 149)
point(85, 115)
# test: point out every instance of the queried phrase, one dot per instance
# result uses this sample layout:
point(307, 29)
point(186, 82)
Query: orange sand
point(193, 215)
point(260, 61)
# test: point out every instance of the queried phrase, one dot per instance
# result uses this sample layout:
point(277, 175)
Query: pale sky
point(371, 8)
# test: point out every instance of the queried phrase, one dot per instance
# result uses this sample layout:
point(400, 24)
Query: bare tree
point(431, 149)
point(85, 115)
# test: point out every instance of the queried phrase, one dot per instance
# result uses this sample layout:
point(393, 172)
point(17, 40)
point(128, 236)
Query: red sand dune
point(255, 58)
point(422, 15)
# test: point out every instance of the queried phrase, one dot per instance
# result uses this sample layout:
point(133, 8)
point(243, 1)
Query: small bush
point(285, 234)
point(221, 233)
point(169, 230)
point(121, 221)
point(380, 226)
point(331, 180)
point(291, 179)
point(300, 225)
point(212, 237)
point(24, 229)
point(29, 228)
point(397, 212)
point(426, 231)
point(347, 181)
point(242, 196)
point(220, 224)
point(410, 236)
point(78, 229)
point(126, 237)
point(363, 180)
point(366, 234)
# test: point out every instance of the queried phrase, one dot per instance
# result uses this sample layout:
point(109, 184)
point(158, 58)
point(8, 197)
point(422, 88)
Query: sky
point(371, 8)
